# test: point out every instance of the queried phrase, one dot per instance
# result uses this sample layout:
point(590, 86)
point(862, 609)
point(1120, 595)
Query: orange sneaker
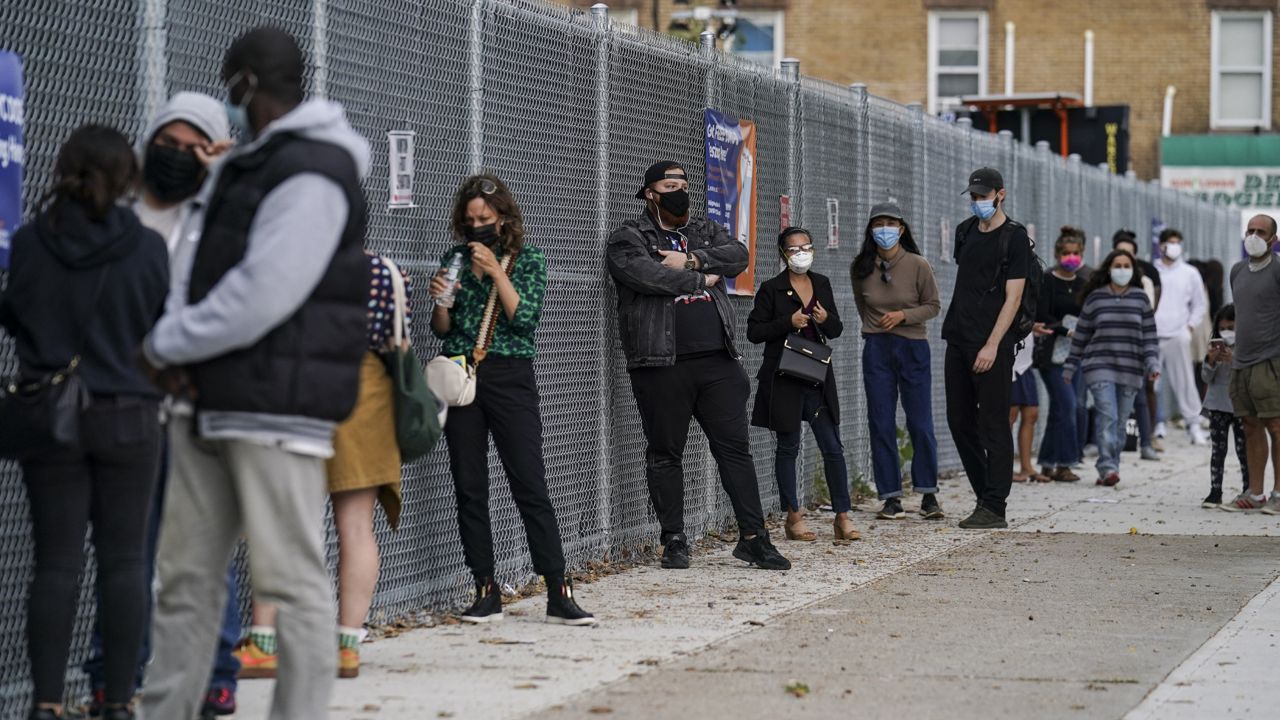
point(255, 663)
point(348, 663)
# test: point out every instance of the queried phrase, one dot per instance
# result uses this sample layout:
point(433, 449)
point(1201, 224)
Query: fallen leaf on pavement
point(797, 688)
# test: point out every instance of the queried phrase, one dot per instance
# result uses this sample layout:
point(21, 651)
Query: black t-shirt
point(978, 296)
point(1058, 298)
point(695, 319)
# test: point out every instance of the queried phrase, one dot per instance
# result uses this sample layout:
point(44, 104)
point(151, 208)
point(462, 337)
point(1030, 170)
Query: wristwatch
point(690, 263)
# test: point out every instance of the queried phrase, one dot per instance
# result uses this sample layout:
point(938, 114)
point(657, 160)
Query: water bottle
point(451, 277)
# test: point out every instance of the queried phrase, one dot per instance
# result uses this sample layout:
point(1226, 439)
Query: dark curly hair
point(498, 197)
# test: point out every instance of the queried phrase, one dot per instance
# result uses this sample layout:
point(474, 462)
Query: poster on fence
point(731, 186)
point(11, 150)
point(400, 166)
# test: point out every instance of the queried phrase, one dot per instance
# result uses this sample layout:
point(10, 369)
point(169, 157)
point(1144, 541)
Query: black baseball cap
point(660, 171)
point(984, 180)
point(886, 209)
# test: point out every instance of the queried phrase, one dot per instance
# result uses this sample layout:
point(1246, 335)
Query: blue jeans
point(1113, 403)
point(893, 367)
point(226, 667)
point(1143, 411)
point(1084, 414)
point(828, 436)
point(1060, 445)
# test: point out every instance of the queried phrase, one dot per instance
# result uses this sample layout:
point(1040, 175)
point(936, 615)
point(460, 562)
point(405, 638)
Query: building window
point(758, 36)
point(1240, 83)
point(957, 57)
point(625, 17)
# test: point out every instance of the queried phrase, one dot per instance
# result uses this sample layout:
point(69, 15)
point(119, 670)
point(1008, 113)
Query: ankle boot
point(487, 607)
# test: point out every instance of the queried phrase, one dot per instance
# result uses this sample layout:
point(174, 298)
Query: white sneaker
point(1160, 430)
point(1197, 435)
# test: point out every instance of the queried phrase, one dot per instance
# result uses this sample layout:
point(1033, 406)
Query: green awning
point(1220, 151)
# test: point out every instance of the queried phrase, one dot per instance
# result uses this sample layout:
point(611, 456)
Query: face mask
point(171, 174)
point(1071, 263)
point(676, 202)
point(886, 237)
point(1121, 276)
point(800, 262)
point(1228, 336)
point(1255, 246)
point(238, 115)
point(984, 209)
point(486, 235)
point(1173, 251)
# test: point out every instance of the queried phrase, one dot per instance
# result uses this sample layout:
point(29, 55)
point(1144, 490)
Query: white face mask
point(1121, 276)
point(1173, 251)
point(1255, 246)
point(1228, 336)
point(800, 262)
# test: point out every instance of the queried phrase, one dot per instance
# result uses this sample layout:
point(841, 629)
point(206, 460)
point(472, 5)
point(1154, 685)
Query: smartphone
point(1217, 342)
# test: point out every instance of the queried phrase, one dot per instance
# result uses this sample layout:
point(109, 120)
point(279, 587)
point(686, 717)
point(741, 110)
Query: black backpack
point(1026, 317)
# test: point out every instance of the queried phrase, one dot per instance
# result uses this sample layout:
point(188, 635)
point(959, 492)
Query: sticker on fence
point(833, 223)
point(784, 212)
point(731, 187)
point(400, 167)
point(12, 154)
point(946, 242)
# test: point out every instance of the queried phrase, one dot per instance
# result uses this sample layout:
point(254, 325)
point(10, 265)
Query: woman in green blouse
point(486, 217)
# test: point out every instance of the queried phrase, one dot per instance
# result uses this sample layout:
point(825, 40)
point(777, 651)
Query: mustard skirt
point(365, 454)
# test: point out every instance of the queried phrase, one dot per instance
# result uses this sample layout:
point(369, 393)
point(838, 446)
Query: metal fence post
point(475, 52)
point(155, 71)
point(862, 169)
point(320, 48)
point(790, 68)
point(600, 19)
point(919, 168)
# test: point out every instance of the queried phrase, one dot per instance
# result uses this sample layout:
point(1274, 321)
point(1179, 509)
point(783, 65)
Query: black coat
point(779, 398)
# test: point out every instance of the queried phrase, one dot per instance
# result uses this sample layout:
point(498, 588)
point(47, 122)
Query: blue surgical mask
point(1121, 276)
point(886, 237)
point(984, 209)
point(238, 115)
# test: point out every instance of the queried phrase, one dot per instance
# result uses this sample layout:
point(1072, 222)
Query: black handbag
point(804, 359)
point(43, 413)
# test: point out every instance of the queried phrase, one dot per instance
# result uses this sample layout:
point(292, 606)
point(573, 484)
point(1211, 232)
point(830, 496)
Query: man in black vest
point(264, 330)
point(677, 330)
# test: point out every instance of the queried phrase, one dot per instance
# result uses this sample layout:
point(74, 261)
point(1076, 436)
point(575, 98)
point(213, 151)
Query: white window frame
point(984, 41)
point(1215, 73)
point(779, 20)
point(627, 16)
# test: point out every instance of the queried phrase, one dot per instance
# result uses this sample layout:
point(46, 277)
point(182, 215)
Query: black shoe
point(930, 509)
point(562, 609)
point(44, 714)
point(760, 552)
point(117, 712)
point(983, 519)
point(1213, 501)
point(892, 510)
point(487, 607)
point(675, 553)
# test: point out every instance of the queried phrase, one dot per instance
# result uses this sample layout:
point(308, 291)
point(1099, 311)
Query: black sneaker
point(675, 553)
point(1213, 502)
point(892, 510)
point(983, 519)
point(487, 607)
point(930, 509)
point(760, 552)
point(562, 609)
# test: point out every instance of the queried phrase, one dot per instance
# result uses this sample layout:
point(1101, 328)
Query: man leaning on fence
point(266, 329)
point(980, 349)
point(677, 331)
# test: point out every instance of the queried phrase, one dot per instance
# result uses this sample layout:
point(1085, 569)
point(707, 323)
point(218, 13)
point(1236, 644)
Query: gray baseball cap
point(885, 209)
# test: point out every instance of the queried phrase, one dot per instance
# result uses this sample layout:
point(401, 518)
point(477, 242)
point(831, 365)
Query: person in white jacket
point(1182, 305)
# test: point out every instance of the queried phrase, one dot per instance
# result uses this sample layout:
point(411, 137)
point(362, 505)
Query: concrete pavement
point(1124, 586)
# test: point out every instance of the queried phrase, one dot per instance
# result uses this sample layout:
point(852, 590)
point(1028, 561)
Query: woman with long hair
point(1116, 348)
point(1057, 312)
point(800, 301)
point(497, 262)
point(86, 283)
point(896, 294)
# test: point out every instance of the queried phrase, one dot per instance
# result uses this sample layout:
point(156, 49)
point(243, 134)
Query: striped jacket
point(1115, 339)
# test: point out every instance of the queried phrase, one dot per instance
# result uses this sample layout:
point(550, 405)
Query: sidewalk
point(1082, 609)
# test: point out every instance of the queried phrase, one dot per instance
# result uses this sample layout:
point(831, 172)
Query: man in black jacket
point(677, 331)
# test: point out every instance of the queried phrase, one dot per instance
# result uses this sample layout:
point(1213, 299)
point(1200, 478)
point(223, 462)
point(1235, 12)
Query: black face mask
point(170, 174)
point(487, 235)
point(675, 202)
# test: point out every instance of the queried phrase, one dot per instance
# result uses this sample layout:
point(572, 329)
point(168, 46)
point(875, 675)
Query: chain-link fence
point(570, 110)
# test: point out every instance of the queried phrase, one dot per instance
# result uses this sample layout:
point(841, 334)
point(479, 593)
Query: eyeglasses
point(808, 247)
point(884, 271)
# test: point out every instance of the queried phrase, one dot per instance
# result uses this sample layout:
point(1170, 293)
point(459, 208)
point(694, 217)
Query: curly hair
point(498, 197)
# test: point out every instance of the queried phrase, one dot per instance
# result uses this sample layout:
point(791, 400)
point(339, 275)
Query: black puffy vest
point(309, 364)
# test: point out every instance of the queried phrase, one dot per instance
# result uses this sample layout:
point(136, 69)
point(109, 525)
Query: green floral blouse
point(512, 338)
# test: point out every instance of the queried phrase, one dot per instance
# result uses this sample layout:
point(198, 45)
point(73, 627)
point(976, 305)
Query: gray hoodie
point(292, 239)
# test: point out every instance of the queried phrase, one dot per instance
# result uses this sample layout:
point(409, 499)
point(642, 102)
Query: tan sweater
point(911, 289)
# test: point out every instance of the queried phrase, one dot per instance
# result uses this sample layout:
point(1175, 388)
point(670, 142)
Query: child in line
point(1216, 373)
point(1024, 402)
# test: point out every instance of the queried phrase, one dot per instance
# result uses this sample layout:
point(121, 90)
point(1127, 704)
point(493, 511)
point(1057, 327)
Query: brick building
point(1218, 54)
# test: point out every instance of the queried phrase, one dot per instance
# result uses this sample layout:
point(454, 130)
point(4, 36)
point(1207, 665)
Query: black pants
point(109, 480)
point(506, 405)
point(714, 389)
point(978, 414)
point(1219, 424)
